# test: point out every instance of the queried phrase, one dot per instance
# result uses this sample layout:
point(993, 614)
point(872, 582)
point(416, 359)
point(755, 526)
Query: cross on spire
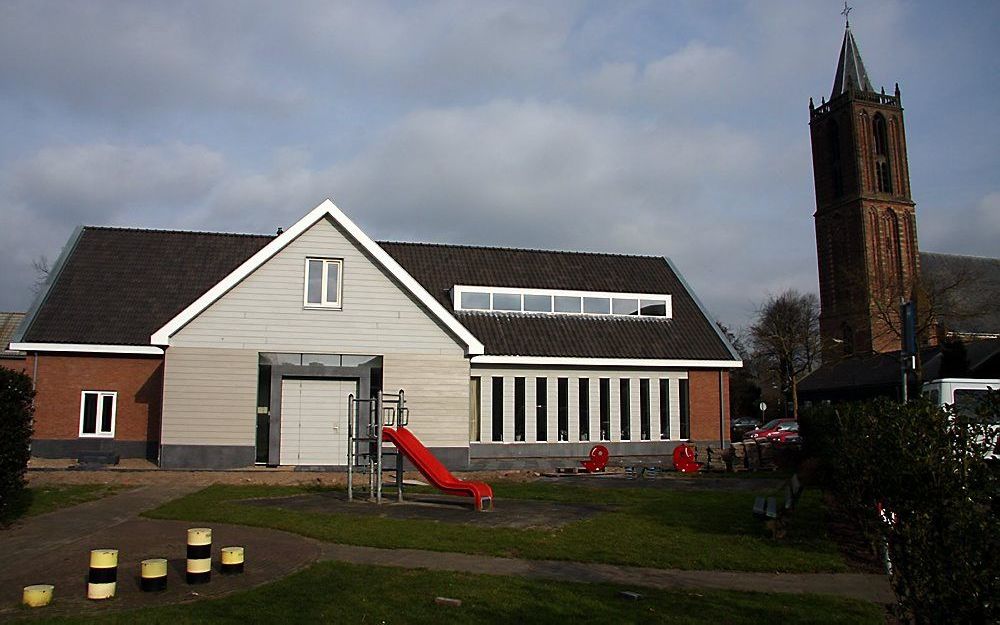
point(847, 14)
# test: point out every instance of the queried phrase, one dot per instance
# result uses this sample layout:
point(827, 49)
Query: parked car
point(786, 436)
point(966, 394)
point(762, 432)
point(741, 425)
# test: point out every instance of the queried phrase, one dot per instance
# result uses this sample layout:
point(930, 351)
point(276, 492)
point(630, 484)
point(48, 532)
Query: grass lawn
point(332, 592)
point(644, 527)
point(42, 499)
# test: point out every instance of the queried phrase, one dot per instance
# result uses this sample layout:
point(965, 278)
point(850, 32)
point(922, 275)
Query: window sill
point(323, 307)
point(109, 435)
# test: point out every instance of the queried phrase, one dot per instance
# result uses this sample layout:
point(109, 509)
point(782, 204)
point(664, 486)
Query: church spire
point(851, 72)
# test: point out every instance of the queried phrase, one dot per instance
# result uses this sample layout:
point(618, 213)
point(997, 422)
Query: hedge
point(16, 412)
point(914, 477)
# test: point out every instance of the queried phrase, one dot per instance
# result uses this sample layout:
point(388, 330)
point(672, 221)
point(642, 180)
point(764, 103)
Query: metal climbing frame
point(365, 420)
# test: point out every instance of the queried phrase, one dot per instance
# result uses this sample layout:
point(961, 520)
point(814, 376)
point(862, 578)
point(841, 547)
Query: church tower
point(866, 231)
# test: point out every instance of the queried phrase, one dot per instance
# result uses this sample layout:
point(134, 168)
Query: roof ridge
point(519, 249)
point(177, 231)
point(977, 256)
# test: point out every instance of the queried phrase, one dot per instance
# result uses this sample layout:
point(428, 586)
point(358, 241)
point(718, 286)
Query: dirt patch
point(856, 549)
point(510, 513)
point(52, 473)
point(672, 481)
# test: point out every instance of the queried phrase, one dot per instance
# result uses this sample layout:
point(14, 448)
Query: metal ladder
point(385, 409)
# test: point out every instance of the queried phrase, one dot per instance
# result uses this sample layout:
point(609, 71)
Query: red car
point(787, 435)
point(767, 428)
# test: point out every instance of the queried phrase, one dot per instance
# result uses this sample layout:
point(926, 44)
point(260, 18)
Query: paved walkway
point(862, 586)
point(54, 548)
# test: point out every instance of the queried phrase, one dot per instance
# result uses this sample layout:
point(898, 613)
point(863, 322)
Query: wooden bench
point(775, 511)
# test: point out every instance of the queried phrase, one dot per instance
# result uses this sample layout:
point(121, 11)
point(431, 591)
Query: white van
point(965, 394)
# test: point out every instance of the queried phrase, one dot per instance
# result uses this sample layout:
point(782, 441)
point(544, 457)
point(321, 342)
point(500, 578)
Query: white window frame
point(325, 301)
point(97, 423)
point(459, 289)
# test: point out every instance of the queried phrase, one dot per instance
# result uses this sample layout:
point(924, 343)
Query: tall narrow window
point(562, 407)
point(664, 409)
point(625, 408)
point(518, 409)
point(97, 413)
point(541, 409)
point(644, 409)
point(605, 400)
point(497, 409)
point(323, 282)
point(584, 409)
point(883, 177)
point(833, 141)
point(475, 404)
point(685, 402)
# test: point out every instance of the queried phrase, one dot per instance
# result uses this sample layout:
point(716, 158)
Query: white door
point(314, 421)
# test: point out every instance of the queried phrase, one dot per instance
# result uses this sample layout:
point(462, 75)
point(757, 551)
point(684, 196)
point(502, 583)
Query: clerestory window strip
point(561, 302)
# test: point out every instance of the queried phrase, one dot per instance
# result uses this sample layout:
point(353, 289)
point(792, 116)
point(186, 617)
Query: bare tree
point(744, 385)
point(42, 269)
point(785, 339)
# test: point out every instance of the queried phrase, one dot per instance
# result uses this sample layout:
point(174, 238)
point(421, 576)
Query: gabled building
point(226, 350)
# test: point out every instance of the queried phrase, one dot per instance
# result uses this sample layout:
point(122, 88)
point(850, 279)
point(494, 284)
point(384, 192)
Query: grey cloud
point(101, 181)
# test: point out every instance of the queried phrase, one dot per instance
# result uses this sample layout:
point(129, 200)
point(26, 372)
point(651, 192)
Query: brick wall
point(61, 378)
point(15, 364)
point(705, 404)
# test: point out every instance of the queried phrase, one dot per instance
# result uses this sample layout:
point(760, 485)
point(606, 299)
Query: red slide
point(435, 472)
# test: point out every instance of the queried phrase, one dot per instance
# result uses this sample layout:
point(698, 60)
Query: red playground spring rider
point(598, 459)
point(684, 459)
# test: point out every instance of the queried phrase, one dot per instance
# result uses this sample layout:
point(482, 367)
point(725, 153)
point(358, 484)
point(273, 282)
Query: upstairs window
point(97, 413)
point(323, 282)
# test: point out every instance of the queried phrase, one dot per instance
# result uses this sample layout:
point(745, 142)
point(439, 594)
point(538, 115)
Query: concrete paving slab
point(270, 555)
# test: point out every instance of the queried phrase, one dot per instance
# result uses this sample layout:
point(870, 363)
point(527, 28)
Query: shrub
point(926, 467)
point(16, 411)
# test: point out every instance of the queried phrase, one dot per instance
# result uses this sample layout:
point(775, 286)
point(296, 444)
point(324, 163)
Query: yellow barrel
point(232, 560)
point(38, 595)
point(199, 555)
point(154, 574)
point(102, 581)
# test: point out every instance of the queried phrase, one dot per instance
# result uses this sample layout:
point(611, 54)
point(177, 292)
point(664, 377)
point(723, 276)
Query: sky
point(668, 128)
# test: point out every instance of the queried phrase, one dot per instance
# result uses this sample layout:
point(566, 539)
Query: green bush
point(926, 467)
point(16, 411)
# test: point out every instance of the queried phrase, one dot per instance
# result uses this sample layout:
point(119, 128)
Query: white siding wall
point(209, 396)
point(437, 393)
point(265, 312)
point(210, 377)
point(574, 375)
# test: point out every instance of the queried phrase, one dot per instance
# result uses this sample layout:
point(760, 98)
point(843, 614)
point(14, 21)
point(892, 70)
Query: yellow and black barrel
point(199, 555)
point(37, 595)
point(154, 575)
point(232, 560)
point(102, 580)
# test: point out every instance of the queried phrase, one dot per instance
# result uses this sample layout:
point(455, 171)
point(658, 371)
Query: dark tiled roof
point(8, 323)
point(118, 286)
point(688, 335)
point(971, 359)
point(967, 290)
